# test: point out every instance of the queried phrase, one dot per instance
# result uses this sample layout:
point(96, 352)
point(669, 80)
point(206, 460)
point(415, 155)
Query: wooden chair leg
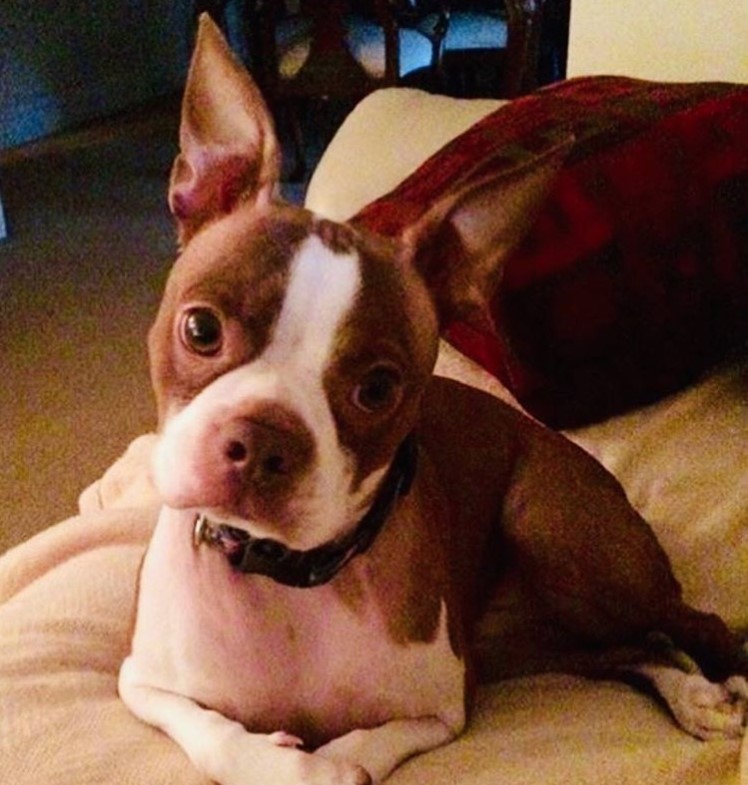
point(298, 172)
point(287, 114)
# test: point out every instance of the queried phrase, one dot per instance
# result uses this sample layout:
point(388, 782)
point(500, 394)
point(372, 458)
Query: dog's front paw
point(282, 739)
point(711, 711)
point(382, 749)
point(256, 759)
point(316, 770)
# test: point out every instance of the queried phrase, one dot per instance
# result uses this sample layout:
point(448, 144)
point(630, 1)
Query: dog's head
point(290, 353)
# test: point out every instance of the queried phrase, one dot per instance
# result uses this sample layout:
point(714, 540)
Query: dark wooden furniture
point(340, 50)
point(492, 47)
point(302, 50)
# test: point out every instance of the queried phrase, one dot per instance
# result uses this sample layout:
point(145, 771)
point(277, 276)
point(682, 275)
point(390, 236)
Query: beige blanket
point(67, 598)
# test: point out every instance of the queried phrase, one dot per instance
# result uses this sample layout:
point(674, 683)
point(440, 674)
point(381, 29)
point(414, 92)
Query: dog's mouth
point(266, 556)
point(249, 554)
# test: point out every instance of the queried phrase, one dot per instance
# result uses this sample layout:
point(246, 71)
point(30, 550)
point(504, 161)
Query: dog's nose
point(270, 449)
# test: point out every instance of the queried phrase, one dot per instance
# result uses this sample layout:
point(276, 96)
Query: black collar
point(304, 569)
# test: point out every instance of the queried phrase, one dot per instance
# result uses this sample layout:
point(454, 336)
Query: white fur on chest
point(274, 657)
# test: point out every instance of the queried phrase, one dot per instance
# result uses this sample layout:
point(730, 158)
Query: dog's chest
point(316, 662)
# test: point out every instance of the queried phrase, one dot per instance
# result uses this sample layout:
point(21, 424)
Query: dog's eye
point(202, 331)
point(378, 390)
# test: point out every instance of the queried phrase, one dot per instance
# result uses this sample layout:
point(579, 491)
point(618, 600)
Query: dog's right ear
point(228, 148)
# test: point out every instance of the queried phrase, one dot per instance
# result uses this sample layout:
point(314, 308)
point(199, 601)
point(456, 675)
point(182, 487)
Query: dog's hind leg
point(708, 640)
point(707, 695)
point(701, 707)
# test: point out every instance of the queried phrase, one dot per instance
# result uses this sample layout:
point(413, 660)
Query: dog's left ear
point(461, 243)
point(228, 148)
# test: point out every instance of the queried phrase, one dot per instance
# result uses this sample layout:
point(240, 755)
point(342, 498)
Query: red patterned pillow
point(634, 278)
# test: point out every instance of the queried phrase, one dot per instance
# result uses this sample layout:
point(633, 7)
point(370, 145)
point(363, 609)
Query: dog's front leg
point(224, 750)
point(382, 749)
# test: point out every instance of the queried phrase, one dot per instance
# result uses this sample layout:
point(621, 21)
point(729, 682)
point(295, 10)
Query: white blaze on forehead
point(322, 289)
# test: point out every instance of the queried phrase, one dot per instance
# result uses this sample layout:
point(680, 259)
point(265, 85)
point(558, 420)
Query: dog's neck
point(317, 566)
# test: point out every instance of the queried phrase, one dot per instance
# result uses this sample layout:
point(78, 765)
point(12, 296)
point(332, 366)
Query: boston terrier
point(335, 517)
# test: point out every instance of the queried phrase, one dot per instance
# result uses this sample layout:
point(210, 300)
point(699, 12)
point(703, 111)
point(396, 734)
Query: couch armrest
point(384, 139)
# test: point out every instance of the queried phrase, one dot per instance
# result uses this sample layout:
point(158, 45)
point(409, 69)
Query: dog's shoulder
point(472, 414)
point(473, 438)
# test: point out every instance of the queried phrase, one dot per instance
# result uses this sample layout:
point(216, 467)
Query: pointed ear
point(461, 243)
point(228, 149)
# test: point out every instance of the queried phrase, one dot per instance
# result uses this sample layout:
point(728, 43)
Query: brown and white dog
point(334, 515)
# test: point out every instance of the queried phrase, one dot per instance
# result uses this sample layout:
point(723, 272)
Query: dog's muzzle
point(317, 566)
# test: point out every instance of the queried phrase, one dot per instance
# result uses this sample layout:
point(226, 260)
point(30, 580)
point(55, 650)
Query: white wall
point(667, 40)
